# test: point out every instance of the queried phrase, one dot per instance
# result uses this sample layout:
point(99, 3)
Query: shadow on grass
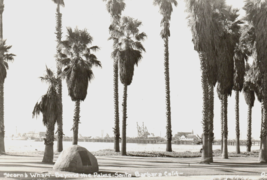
point(20, 155)
point(240, 165)
point(239, 171)
point(135, 165)
point(23, 165)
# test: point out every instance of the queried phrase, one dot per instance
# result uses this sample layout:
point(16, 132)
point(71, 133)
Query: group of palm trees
point(223, 41)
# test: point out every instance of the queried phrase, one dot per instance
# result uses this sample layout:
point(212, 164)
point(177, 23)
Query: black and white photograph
point(133, 89)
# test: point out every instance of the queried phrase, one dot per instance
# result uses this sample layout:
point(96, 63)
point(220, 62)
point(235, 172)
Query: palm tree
point(49, 106)
point(225, 64)
point(1, 18)
point(128, 52)
point(253, 80)
point(2, 127)
point(59, 86)
point(239, 72)
point(77, 59)
point(242, 52)
point(256, 10)
point(222, 24)
point(115, 7)
point(206, 30)
point(249, 98)
point(221, 118)
point(166, 9)
point(5, 57)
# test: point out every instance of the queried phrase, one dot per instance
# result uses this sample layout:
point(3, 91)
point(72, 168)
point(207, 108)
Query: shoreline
point(110, 153)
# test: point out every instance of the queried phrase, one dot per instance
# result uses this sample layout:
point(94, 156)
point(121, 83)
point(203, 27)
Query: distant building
point(42, 135)
point(186, 136)
point(32, 134)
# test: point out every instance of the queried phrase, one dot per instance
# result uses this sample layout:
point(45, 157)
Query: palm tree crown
point(49, 103)
point(226, 51)
point(127, 47)
point(256, 14)
point(60, 2)
point(249, 85)
point(115, 7)
point(78, 61)
point(7, 57)
point(165, 7)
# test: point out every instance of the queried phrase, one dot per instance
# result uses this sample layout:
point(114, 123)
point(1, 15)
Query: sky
point(29, 26)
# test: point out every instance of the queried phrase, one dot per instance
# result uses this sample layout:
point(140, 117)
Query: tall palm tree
point(1, 18)
point(128, 52)
point(59, 86)
point(239, 72)
point(243, 50)
point(2, 127)
point(253, 82)
point(222, 24)
point(206, 30)
point(5, 57)
point(222, 111)
point(249, 98)
point(256, 14)
point(115, 8)
point(49, 106)
point(211, 117)
point(225, 64)
point(166, 8)
point(77, 59)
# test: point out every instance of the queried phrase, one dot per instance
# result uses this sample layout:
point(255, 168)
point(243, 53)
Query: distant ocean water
point(31, 146)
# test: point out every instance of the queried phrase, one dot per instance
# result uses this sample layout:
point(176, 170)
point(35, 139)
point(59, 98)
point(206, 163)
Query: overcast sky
point(29, 26)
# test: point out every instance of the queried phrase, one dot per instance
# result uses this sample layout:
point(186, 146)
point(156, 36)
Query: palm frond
point(36, 110)
point(138, 46)
point(141, 36)
point(9, 57)
point(93, 60)
point(6, 65)
point(94, 48)
point(65, 61)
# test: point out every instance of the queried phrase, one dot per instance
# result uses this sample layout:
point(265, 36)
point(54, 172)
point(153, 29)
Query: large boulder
point(76, 159)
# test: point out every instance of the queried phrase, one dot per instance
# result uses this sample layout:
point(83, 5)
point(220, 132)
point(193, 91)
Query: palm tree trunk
point(49, 143)
point(222, 112)
point(237, 122)
point(225, 128)
point(249, 129)
point(116, 108)
point(124, 117)
point(205, 150)
point(1, 18)
point(211, 116)
point(263, 150)
point(262, 122)
point(2, 126)
point(168, 102)
point(76, 121)
point(59, 87)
